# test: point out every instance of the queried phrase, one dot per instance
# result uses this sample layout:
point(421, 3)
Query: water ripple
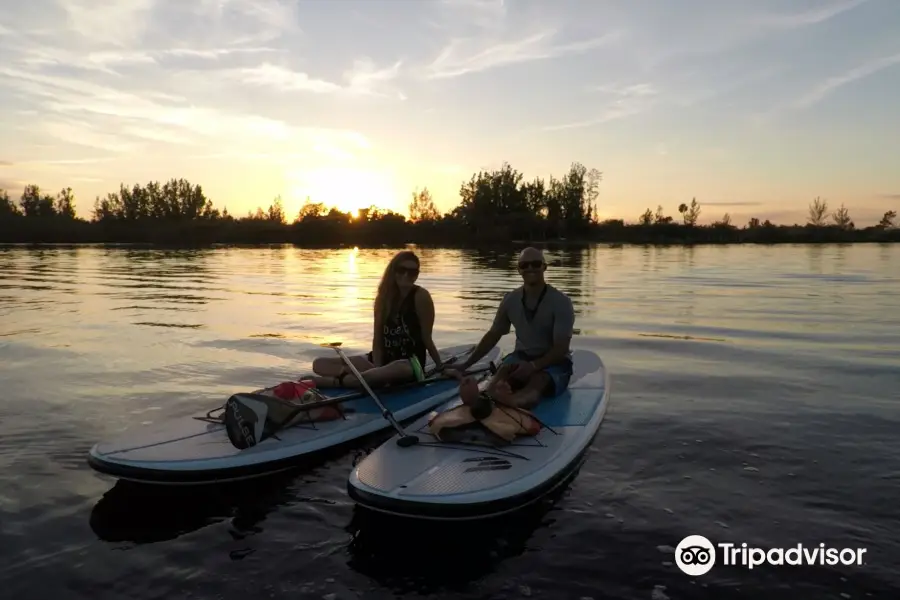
point(754, 401)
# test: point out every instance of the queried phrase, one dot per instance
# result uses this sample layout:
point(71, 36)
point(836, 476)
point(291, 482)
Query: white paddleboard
point(190, 450)
point(456, 480)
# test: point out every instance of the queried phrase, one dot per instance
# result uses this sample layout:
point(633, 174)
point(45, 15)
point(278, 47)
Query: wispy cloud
point(11, 184)
point(891, 196)
point(364, 78)
point(814, 16)
point(735, 203)
point(118, 24)
point(832, 84)
point(126, 77)
point(281, 78)
point(466, 56)
point(486, 14)
point(695, 30)
point(626, 101)
point(247, 94)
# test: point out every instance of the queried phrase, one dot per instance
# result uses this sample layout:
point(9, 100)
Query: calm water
point(755, 399)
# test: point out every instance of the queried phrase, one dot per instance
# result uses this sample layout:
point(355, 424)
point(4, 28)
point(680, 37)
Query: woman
point(404, 320)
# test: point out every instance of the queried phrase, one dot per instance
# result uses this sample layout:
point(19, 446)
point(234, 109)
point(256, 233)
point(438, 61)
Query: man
point(544, 319)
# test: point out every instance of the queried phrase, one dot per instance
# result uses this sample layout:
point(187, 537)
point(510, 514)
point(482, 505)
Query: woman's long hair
point(388, 290)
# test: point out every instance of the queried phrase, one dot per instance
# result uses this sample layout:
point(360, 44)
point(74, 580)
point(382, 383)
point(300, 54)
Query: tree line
point(496, 207)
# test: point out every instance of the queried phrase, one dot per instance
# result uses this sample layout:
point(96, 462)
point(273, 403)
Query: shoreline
point(433, 246)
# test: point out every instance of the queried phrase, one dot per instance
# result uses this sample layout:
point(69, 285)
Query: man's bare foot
point(503, 392)
point(468, 390)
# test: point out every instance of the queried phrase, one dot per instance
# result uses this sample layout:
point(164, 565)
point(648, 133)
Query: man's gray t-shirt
point(554, 319)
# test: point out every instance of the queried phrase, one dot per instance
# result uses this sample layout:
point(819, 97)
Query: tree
point(817, 211)
point(646, 218)
point(660, 218)
point(310, 210)
point(841, 218)
point(176, 200)
point(592, 192)
point(724, 223)
point(275, 213)
point(753, 224)
point(491, 196)
point(690, 214)
point(421, 208)
point(34, 204)
point(65, 203)
point(886, 222)
point(7, 207)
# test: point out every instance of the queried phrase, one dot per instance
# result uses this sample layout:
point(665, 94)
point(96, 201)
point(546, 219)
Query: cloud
point(891, 196)
point(626, 101)
point(736, 203)
point(672, 35)
point(91, 115)
point(636, 90)
point(485, 14)
point(115, 78)
point(67, 161)
point(832, 84)
point(6, 163)
point(364, 78)
point(119, 24)
point(8, 185)
point(464, 56)
point(814, 16)
point(281, 78)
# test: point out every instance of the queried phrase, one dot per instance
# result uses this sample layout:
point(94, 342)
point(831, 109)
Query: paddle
point(325, 401)
point(405, 440)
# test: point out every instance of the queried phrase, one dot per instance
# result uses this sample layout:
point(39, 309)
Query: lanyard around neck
point(531, 312)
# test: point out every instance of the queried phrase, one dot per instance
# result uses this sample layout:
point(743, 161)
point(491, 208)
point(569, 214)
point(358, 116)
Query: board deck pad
point(190, 450)
point(568, 410)
point(453, 480)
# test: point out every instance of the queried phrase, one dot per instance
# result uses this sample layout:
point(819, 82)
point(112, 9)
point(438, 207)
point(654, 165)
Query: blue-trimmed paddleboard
point(453, 480)
point(192, 451)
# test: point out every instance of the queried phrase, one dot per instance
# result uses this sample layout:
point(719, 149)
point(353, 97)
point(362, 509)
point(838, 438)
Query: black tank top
point(402, 332)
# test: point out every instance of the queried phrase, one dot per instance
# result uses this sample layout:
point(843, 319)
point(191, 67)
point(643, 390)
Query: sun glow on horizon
point(347, 189)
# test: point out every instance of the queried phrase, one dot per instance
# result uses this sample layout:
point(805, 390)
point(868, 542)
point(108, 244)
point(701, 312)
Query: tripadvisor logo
point(695, 555)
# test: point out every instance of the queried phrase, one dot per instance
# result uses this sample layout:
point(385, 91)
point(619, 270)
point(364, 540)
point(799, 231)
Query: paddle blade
point(245, 420)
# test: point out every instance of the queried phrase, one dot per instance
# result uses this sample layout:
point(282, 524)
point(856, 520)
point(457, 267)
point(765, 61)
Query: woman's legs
point(333, 366)
point(394, 372)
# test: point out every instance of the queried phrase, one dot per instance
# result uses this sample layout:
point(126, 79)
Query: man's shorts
point(560, 373)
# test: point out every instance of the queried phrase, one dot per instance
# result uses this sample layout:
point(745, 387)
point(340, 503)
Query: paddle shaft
point(402, 386)
point(358, 395)
point(384, 411)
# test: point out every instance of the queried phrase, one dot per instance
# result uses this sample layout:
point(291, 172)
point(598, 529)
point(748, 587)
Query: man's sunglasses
point(531, 264)
point(400, 270)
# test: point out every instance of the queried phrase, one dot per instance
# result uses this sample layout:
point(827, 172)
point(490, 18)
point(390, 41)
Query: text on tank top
point(402, 332)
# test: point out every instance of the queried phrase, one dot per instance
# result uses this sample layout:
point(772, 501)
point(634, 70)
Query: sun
point(346, 189)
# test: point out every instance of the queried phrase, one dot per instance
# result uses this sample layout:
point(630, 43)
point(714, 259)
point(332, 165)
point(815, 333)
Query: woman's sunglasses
point(401, 270)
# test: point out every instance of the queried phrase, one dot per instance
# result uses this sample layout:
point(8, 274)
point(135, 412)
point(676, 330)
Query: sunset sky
point(754, 107)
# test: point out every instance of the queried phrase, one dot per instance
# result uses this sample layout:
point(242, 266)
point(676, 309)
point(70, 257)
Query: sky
point(754, 108)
